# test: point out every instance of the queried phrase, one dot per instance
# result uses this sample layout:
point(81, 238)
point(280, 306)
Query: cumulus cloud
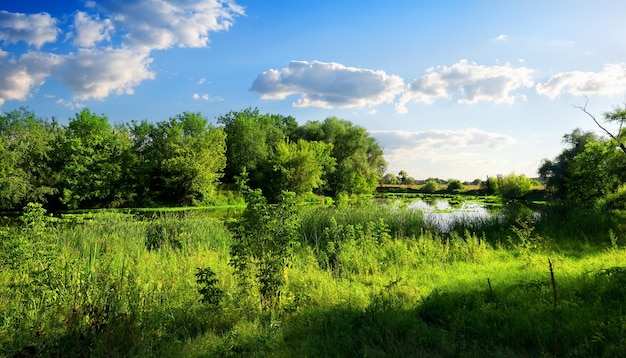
point(34, 29)
point(328, 85)
point(161, 24)
point(470, 82)
point(94, 73)
point(89, 29)
point(20, 76)
point(610, 81)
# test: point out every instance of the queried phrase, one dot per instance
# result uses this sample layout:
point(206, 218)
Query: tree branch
point(584, 109)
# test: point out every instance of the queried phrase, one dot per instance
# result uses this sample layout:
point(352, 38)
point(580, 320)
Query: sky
point(450, 89)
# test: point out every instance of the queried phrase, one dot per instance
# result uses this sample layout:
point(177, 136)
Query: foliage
point(90, 157)
point(251, 138)
point(555, 173)
point(594, 173)
point(491, 185)
point(454, 185)
point(360, 163)
point(262, 246)
point(180, 161)
point(25, 149)
point(430, 186)
point(513, 186)
point(211, 294)
point(298, 167)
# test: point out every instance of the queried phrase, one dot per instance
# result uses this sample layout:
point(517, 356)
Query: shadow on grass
point(519, 319)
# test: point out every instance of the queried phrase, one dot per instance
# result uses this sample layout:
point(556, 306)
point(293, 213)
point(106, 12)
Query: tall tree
point(251, 137)
point(360, 162)
point(179, 161)
point(90, 156)
point(555, 172)
point(298, 167)
point(25, 146)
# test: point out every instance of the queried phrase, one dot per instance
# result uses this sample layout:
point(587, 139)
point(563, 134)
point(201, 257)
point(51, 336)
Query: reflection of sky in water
point(443, 216)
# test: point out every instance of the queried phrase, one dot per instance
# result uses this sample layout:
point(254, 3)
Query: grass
point(364, 281)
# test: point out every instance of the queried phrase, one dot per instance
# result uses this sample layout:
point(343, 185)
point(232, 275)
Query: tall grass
point(364, 281)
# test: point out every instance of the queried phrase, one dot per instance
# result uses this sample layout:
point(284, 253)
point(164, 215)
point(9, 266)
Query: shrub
point(430, 186)
point(455, 185)
point(514, 187)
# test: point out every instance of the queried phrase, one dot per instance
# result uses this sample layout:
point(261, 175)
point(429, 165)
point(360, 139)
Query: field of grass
point(362, 281)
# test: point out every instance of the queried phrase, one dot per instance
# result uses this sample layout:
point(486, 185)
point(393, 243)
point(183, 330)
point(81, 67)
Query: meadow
point(360, 280)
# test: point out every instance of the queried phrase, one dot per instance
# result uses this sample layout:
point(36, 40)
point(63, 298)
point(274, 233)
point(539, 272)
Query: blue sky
point(451, 89)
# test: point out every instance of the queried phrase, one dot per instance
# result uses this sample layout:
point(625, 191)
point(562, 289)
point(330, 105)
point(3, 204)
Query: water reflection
point(444, 215)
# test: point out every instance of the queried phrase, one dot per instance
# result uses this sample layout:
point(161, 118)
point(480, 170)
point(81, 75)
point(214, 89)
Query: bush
point(514, 187)
point(430, 186)
point(455, 185)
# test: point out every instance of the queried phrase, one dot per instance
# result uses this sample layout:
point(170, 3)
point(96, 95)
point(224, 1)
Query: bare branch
point(584, 109)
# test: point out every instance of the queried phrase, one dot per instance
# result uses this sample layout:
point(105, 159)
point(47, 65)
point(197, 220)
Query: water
point(444, 215)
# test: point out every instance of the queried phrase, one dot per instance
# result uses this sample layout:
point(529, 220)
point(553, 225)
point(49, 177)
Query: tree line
point(91, 163)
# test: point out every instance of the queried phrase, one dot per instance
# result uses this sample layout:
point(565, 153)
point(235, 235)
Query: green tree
point(298, 167)
point(360, 162)
point(390, 178)
point(454, 185)
point(595, 173)
point(430, 186)
point(555, 172)
point(90, 157)
point(25, 148)
point(179, 161)
point(251, 137)
point(514, 187)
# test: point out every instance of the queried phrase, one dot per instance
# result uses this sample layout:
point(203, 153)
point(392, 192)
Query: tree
point(182, 158)
point(595, 173)
point(390, 178)
point(90, 157)
point(514, 187)
point(618, 115)
point(25, 147)
point(360, 163)
point(555, 172)
point(430, 186)
point(251, 137)
point(298, 167)
point(455, 185)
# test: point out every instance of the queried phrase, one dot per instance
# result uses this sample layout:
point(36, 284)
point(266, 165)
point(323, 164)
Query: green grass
point(364, 281)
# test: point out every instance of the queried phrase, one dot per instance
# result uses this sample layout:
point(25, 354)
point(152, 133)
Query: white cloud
point(92, 73)
point(19, 77)
point(328, 85)
point(70, 104)
point(34, 29)
point(201, 81)
point(89, 30)
point(470, 82)
point(96, 72)
point(161, 24)
point(501, 37)
point(608, 82)
point(206, 97)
